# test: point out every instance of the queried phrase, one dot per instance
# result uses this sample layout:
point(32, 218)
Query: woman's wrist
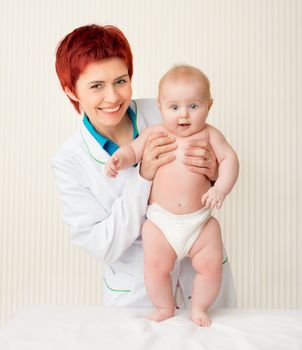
point(145, 174)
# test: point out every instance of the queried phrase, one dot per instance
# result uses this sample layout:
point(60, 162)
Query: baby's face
point(184, 105)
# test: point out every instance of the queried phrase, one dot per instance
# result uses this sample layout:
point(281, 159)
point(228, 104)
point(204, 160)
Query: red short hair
point(85, 45)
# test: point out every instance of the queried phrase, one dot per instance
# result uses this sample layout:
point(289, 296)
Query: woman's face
point(104, 93)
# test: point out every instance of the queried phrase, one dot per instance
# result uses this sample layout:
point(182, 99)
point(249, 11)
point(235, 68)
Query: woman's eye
point(120, 82)
point(96, 86)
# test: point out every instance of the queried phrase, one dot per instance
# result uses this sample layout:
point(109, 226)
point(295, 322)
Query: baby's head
point(184, 99)
point(183, 74)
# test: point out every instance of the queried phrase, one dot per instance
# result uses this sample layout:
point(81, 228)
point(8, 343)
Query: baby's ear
point(210, 103)
point(71, 95)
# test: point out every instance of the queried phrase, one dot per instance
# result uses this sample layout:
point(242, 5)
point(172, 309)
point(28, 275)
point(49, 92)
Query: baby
point(179, 221)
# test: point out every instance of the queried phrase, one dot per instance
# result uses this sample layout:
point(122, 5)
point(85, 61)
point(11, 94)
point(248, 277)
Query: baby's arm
point(127, 155)
point(227, 171)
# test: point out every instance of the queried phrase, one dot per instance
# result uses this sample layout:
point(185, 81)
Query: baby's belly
point(177, 189)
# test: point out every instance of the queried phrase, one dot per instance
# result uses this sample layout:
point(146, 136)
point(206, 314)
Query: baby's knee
point(214, 267)
point(210, 266)
point(157, 266)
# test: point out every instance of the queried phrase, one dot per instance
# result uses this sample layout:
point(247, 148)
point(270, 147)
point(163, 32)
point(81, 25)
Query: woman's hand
point(158, 151)
point(201, 159)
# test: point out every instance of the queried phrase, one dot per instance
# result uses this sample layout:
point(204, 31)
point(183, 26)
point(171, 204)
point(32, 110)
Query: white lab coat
point(105, 216)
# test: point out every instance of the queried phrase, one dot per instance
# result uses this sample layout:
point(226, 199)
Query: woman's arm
point(100, 220)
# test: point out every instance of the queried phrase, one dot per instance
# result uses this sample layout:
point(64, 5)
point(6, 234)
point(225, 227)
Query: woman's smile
point(110, 109)
point(104, 93)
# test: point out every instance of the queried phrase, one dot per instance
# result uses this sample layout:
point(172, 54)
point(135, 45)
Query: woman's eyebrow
point(102, 81)
point(122, 76)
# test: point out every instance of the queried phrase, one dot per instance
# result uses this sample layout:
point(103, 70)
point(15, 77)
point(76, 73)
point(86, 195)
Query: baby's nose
point(184, 113)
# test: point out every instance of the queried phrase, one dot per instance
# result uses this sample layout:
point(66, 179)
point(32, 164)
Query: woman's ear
point(71, 95)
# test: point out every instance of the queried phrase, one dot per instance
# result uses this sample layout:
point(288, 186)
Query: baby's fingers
point(114, 159)
point(213, 203)
point(204, 198)
point(220, 202)
point(110, 169)
point(209, 201)
point(111, 173)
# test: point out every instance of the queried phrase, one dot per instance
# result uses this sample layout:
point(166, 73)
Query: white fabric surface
point(91, 328)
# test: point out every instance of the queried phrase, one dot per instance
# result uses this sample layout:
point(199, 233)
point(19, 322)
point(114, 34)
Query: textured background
point(252, 52)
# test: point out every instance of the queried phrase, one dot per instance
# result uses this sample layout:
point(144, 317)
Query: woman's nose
point(111, 95)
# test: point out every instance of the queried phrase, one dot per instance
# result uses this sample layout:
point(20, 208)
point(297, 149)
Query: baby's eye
point(174, 107)
point(194, 106)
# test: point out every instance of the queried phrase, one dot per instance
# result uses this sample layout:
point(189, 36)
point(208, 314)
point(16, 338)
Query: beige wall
point(252, 52)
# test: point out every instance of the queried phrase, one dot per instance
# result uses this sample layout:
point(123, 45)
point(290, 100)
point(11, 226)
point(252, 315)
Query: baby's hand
point(213, 198)
point(112, 166)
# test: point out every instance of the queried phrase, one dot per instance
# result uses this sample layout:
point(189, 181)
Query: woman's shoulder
point(69, 149)
point(147, 109)
point(145, 103)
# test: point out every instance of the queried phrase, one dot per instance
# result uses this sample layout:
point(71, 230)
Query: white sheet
point(93, 328)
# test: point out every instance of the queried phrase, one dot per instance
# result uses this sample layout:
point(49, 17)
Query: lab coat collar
point(94, 148)
point(140, 120)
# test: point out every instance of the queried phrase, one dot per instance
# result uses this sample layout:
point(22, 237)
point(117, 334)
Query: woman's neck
point(120, 134)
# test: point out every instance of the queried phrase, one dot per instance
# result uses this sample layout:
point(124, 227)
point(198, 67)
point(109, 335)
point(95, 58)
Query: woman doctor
point(104, 215)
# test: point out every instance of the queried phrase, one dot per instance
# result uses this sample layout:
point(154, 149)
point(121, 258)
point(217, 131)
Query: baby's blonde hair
point(185, 71)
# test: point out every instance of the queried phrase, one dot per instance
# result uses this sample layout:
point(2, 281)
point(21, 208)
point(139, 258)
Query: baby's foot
point(161, 314)
point(200, 317)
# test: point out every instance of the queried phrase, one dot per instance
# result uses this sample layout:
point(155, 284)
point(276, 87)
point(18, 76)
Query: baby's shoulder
point(208, 133)
point(155, 128)
point(215, 135)
point(158, 127)
point(150, 129)
point(203, 134)
point(212, 130)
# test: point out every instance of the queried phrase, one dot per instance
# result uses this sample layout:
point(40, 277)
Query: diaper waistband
point(156, 207)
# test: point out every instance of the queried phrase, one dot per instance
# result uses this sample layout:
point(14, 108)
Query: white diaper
point(181, 231)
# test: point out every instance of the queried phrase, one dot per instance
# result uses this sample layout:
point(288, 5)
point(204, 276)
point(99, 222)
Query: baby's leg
point(159, 259)
point(207, 257)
